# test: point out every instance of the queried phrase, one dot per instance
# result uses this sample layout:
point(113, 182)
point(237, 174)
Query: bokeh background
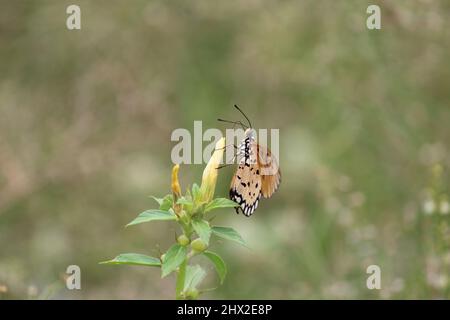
point(86, 118)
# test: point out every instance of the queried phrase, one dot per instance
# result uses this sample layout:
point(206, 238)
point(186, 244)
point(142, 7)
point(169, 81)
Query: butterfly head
point(250, 133)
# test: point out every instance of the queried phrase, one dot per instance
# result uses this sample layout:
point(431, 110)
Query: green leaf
point(153, 215)
point(194, 275)
point(184, 201)
point(228, 234)
point(173, 258)
point(134, 259)
point(166, 203)
point(218, 262)
point(203, 229)
point(195, 192)
point(220, 203)
point(159, 200)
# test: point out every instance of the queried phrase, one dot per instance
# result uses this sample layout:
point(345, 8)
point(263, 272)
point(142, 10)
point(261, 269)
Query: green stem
point(187, 231)
point(180, 280)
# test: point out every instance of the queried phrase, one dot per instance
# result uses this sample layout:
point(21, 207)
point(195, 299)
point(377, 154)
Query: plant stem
point(180, 280)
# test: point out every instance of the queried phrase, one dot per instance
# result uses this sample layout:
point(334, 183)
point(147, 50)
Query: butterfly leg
point(227, 164)
point(228, 145)
point(223, 166)
point(234, 157)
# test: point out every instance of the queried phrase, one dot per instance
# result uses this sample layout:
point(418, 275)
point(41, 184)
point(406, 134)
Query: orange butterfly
point(258, 172)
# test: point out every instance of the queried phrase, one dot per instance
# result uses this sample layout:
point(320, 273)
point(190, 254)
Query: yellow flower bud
point(176, 190)
point(183, 240)
point(198, 245)
point(209, 177)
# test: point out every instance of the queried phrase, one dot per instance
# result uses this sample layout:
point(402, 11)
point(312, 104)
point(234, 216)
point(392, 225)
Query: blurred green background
point(86, 118)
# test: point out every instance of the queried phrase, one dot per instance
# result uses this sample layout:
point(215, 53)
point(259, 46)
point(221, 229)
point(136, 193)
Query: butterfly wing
point(258, 174)
point(245, 187)
point(269, 171)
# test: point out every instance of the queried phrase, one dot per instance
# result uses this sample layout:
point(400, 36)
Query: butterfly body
point(257, 174)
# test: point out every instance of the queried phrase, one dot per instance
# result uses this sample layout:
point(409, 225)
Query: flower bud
point(192, 294)
point(176, 190)
point(183, 240)
point(209, 177)
point(198, 245)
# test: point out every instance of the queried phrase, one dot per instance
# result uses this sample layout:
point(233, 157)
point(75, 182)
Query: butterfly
point(258, 173)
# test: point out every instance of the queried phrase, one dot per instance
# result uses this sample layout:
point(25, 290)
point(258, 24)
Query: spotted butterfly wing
point(246, 187)
point(257, 174)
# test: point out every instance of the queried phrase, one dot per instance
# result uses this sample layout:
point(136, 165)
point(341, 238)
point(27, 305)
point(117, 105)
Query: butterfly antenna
point(249, 123)
point(234, 122)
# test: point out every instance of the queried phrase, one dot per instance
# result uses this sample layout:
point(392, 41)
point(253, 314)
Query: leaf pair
point(165, 213)
point(172, 259)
